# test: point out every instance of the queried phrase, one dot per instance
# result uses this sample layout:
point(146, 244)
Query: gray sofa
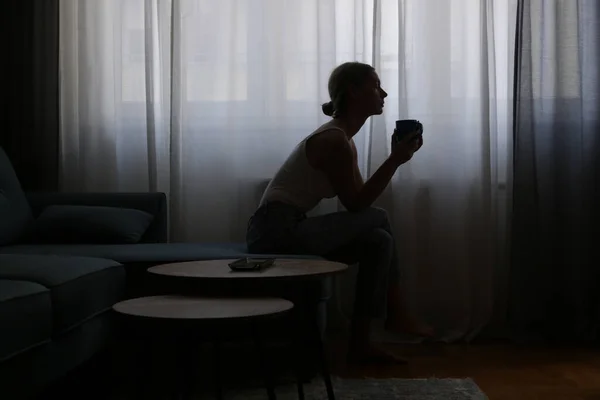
point(55, 298)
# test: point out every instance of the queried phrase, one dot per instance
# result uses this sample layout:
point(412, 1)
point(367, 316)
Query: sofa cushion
point(90, 224)
point(15, 212)
point(25, 316)
point(151, 253)
point(80, 287)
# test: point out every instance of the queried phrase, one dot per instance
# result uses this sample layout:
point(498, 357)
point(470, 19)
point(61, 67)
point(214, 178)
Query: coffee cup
point(406, 126)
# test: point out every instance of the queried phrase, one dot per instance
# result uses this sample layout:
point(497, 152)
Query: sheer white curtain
point(450, 65)
point(204, 99)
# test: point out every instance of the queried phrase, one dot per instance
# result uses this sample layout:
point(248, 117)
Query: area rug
point(379, 389)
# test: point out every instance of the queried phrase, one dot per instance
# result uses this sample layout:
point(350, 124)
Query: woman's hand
point(403, 150)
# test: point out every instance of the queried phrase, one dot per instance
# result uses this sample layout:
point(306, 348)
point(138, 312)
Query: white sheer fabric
point(204, 100)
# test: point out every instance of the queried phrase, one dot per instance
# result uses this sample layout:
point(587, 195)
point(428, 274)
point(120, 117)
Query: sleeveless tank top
point(298, 183)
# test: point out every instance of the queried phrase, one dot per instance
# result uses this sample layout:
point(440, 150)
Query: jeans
point(363, 237)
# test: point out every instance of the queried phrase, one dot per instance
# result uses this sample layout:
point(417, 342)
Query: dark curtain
point(555, 280)
point(29, 111)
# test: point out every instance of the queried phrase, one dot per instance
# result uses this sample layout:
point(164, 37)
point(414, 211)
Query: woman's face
point(370, 96)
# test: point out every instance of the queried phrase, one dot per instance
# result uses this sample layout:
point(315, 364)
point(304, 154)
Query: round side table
point(282, 271)
point(185, 314)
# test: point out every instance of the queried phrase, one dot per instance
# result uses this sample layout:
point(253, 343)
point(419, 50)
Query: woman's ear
point(352, 92)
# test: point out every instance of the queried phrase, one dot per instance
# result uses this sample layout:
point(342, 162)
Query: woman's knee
point(380, 238)
point(377, 216)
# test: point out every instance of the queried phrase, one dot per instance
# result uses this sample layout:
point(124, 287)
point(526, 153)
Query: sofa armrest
point(152, 203)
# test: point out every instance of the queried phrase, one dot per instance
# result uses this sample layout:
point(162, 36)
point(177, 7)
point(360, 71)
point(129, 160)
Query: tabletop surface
point(202, 308)
point(219, 269)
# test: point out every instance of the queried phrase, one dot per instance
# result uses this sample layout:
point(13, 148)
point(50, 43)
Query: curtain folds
point(554, 272)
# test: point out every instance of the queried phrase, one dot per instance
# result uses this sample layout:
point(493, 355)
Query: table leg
point(297, 356)
point(323, 358)
point(143, 368)
point(265, 366)
point(217, 369)
point(185, 369)
point(310, 319)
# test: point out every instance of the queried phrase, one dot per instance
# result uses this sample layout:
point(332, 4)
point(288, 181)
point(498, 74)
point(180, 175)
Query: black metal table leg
point(297, 355)
point(217, 369)
point(307, 319)
point(143, 368)
point(320, 348)
point(185, 370)
point(265, 366)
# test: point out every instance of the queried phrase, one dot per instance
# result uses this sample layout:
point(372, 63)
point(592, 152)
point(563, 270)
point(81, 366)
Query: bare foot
point(408, 326)
point(373, 355)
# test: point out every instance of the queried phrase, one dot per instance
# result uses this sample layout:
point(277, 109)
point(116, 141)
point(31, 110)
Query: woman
point(324, 165)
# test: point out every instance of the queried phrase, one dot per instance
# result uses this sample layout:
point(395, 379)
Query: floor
point(502, 371)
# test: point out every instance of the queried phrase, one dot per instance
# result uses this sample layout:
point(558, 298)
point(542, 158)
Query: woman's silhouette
point(324, 165)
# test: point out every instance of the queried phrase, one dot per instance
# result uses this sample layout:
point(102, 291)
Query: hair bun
point(328, 108)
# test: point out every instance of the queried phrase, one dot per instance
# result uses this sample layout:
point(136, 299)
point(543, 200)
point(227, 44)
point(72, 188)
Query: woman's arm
point(338, 162)
point(357, 175)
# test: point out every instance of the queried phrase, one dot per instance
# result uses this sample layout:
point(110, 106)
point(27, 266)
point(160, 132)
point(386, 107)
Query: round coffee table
point(202, 308)
point(282, 270)
point(205, 311)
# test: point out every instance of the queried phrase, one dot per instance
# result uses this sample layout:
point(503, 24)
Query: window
point(207, 51)
point(221, 54)
point(133, 51)
point(300, 57)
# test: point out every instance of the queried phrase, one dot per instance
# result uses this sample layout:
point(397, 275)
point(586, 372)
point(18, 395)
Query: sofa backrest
point(15, 213)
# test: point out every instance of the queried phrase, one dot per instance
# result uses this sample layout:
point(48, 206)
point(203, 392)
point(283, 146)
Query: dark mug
point(404, 127)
